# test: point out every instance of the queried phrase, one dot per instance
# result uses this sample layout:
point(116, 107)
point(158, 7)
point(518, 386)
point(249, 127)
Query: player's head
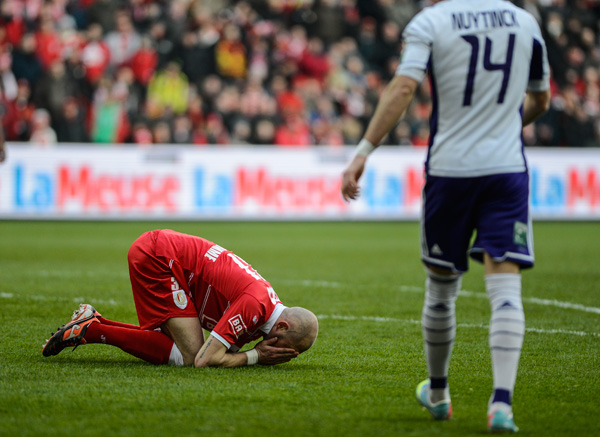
point(296, 328)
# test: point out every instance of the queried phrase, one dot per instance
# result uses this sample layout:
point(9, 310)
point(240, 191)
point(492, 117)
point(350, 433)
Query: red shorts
point(160, 289)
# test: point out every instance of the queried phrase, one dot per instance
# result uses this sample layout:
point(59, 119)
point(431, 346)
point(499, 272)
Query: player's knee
point(442, 285)
point(441, 274)
point(188, 353)
point(504, 291)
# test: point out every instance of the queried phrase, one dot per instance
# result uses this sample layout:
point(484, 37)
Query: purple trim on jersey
point(536, 67)
point(496, 207)
point(433, 118)
point(523, 141)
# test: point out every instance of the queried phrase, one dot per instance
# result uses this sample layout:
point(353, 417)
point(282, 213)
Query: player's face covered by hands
point(274, 351)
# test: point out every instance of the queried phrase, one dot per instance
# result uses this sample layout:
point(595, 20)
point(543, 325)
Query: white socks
point(507, 327)
point(175, 359)
point(439, 329)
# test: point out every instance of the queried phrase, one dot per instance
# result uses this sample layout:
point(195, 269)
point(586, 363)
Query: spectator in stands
point(144, 62)
point(71, 126)
point(231, 54)
point(215, 131)
point(13, 24)
point(264, 132)
point(109, 116)
point(162, 43)
point(8, 82)
point(48, 43)
point(169, 89)
point(95, 54)
point(54, 88)
point(197, 53)
point(161, 133)
point(331, 22)
point(132, 90)
point(124, 42)
point(293, 132)
point(274, 52)
point(26, 64)
point(182, 130)
point(19, 112)
point(103, 12)
point(42, 133)
point(242, 131)
point(313, 62)
point(142, 135)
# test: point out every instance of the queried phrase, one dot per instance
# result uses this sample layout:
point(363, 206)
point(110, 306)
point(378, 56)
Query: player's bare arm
point(393, 104)
point(535, 105)
point(215, 354)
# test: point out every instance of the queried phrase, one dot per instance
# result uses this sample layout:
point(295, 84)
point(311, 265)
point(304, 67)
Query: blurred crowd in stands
point(281, 72)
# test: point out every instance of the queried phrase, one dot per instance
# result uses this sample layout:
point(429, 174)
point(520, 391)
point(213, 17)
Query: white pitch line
point(376, 319)
point(543, 302)
point(76, 300)
point(556, 303)
point(460, 325)
point(466, 293)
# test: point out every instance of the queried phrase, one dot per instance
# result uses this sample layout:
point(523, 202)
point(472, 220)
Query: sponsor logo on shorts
point(520, 234)
point(436, 250)
point(237, 324)
point(180, 299)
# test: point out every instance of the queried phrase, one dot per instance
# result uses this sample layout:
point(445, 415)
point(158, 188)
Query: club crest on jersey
point(237, 325)
point(180, 299)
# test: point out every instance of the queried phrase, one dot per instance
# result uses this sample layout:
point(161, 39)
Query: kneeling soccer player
point(181, 285)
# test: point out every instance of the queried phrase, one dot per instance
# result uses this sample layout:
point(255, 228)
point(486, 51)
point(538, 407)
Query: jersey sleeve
point(417, 47)
point(240, 321)
point(539, 69)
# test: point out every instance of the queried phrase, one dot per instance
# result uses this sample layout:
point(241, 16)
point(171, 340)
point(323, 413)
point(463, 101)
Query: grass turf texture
point(365, 280)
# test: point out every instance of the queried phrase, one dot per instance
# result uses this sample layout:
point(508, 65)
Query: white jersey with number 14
point(482, 56)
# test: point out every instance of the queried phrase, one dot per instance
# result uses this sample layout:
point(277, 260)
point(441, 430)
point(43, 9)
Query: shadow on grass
point(109, 361)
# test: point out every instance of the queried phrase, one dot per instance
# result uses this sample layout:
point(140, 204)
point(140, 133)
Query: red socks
point(151, 346)
point(119, 324)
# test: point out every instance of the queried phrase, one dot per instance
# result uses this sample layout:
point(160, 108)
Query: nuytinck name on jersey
point(484, 19)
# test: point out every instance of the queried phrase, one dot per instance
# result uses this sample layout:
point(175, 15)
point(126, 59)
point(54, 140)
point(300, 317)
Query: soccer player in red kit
point(183, 284)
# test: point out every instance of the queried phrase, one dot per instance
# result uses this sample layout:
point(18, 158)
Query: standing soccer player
point(489, 75)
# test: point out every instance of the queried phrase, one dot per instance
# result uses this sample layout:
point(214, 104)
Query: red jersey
point(232, 300)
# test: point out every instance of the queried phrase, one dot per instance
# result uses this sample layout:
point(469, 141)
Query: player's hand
point(350, 177)
point(269, 354)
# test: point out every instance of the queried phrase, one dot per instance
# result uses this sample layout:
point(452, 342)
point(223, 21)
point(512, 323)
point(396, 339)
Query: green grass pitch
point(364, 280)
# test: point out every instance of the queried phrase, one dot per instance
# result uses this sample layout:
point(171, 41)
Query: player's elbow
point(206, 361)
point(405, 86)
point(405, 91)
